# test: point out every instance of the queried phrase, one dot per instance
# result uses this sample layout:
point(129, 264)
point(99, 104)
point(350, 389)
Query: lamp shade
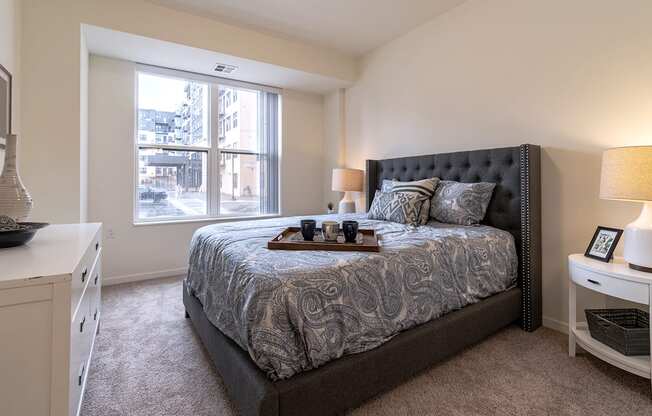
point(627, 173)
point(345, 180)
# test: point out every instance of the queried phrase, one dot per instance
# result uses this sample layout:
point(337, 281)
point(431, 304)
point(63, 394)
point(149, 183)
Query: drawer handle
point(81, 375)
point(95, 315)
point(83, 276)
point(97, 276)
point(81, 324)
point(97, 246)
point(595, 282)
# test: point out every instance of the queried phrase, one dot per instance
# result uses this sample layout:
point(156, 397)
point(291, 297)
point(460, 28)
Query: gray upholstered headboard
point(515, 205)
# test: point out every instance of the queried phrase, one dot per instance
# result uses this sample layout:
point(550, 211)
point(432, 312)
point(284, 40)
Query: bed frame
point(348, 381)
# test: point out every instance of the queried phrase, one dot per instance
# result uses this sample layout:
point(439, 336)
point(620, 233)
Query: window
point(187, 166)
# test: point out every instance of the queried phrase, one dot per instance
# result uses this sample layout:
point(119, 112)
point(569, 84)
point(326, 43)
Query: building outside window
point(201, 152)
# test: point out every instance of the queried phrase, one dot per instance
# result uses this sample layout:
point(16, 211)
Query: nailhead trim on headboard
point(526, 301)
point(531, 317)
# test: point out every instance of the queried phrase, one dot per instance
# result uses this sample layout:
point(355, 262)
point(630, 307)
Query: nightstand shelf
point(639, 365)
point(613, 279)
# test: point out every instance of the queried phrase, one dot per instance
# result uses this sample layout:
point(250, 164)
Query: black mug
point(308, 229)
point(350, 230)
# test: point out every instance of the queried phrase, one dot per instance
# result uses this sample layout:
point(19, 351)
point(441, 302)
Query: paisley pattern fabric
point(424, 187)
point(297, 310)
point(404, 208)
point(461, 203)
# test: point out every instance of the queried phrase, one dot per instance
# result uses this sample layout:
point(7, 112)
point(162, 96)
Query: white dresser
point(49, 316)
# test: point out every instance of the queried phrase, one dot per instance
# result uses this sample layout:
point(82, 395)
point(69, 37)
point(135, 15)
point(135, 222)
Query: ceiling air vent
point(225, 69)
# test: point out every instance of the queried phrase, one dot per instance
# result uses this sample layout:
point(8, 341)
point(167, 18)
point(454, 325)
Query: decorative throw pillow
point(424, 187)
point(398, 207)
point(461, 203)
point(387, 185)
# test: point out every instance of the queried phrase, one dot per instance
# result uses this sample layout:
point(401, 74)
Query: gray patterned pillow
point(398, 207)
point(424, 187)
point(461, 203)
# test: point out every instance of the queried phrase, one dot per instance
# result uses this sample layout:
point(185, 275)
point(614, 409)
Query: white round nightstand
point(614, 279)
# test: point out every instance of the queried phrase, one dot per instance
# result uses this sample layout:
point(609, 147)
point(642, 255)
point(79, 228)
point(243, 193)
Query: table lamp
point(627, 176)
point(347, 181)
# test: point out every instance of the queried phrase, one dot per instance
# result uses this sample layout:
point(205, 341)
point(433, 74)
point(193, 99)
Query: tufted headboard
point(515, 205)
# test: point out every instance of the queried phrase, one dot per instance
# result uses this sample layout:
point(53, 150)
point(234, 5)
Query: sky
point(160, 93)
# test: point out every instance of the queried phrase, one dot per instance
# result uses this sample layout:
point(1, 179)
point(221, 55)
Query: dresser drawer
point(81, 330)
point(82, 273)
point(94, 292)
point(609, 285)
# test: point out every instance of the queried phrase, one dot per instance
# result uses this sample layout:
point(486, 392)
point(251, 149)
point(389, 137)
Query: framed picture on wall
point(5, 102)
point(603, 243)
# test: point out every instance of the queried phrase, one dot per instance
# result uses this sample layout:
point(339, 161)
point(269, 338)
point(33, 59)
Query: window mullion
point(240, 151)
point(172, 147)
point(217, 181)
point(214, 179)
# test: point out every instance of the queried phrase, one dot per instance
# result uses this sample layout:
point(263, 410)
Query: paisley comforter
point(297, 310)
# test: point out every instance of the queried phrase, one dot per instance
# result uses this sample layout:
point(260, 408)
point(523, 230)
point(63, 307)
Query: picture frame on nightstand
point(603, 243)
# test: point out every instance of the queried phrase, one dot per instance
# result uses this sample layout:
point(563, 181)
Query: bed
point(300, 333)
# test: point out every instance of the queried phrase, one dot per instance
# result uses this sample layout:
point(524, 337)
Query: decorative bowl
point(19, 233)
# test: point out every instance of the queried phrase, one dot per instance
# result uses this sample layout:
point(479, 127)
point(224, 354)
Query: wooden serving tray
point(289, 240)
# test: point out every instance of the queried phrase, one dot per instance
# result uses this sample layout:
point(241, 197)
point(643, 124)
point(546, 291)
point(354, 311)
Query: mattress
point(293, 311)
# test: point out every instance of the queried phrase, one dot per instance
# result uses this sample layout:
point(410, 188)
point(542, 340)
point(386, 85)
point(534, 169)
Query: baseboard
point(555, 324)
point(116, 280)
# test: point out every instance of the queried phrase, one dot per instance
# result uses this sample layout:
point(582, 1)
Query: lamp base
point(638, 241)
point(640, 268)
point(347, 204)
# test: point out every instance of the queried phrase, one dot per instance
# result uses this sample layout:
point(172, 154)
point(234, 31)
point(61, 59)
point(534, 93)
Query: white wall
point(334, 136)
point(572, 76)
point(302, 153)
point(10, 55)
point(52, 108)
point(83, 129)
point(151, 250)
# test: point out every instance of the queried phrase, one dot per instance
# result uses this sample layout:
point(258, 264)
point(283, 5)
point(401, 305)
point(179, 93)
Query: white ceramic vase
point(15, 201)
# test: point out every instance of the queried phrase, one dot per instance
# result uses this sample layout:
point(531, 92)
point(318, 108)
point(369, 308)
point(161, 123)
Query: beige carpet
point(148, 361)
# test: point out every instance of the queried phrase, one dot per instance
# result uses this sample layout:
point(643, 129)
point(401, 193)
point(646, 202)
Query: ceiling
point(354, 27)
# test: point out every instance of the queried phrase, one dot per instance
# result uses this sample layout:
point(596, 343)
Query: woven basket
point(625, 330)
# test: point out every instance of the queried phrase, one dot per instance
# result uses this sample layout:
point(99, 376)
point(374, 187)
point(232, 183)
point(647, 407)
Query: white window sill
point(217, 220)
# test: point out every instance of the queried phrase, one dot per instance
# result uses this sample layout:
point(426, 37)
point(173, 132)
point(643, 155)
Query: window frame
point(212, 150)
